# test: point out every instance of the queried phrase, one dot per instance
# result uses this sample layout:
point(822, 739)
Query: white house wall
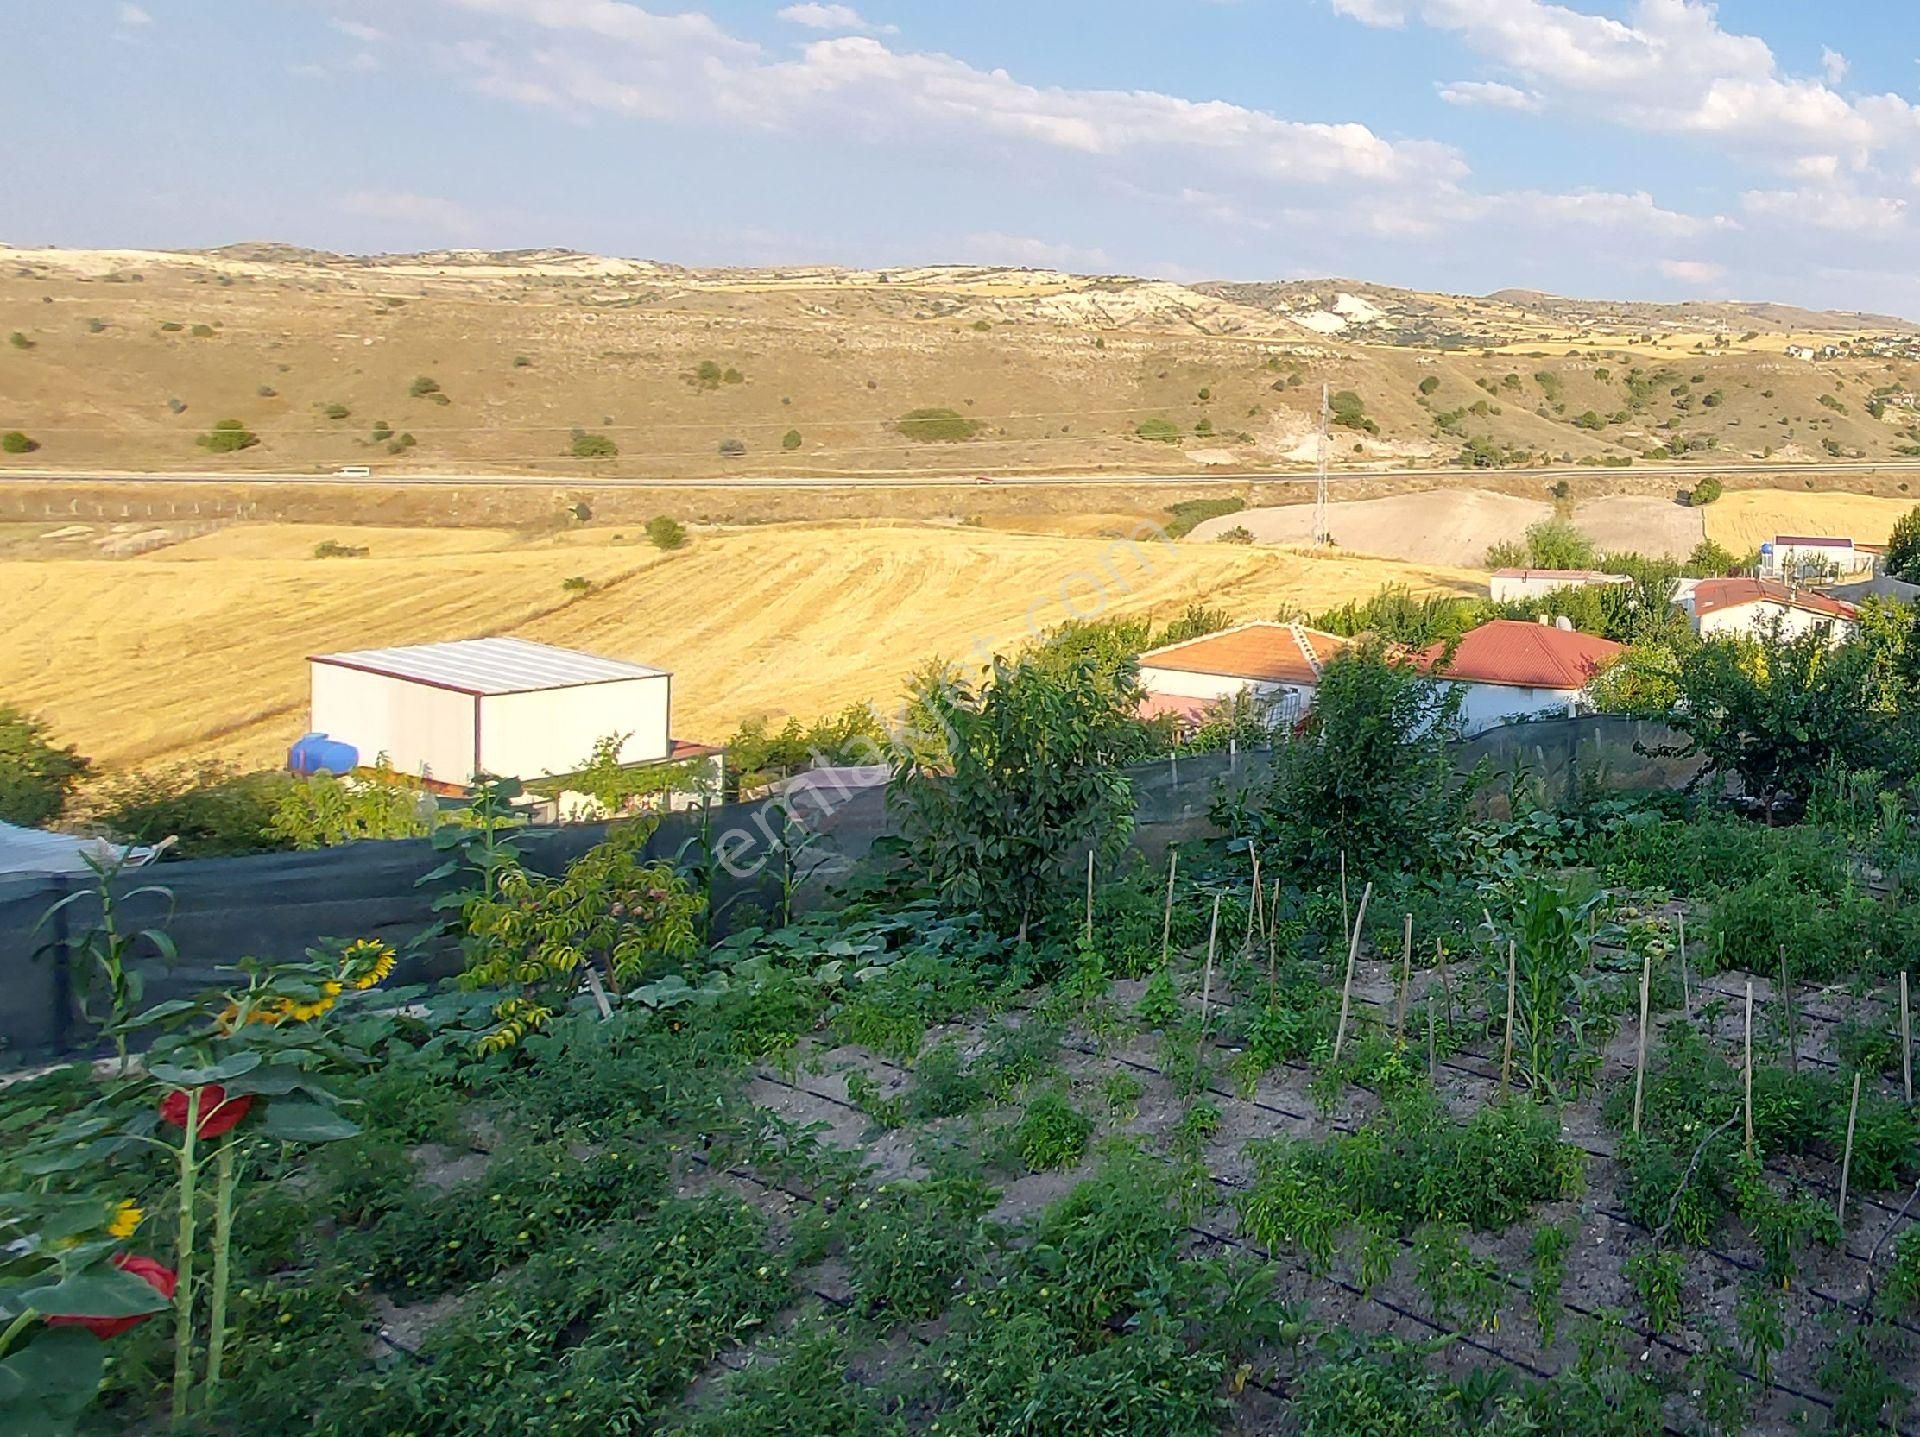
point(1753, 620)
point(1485, 706)
point(553, 731)
point(424, 731)
point(1281, 700)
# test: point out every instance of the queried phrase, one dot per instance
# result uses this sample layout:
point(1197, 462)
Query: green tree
point(1710, 561)
point(1430, 384)
point(1556, 544)
point(1903, 547)
point(1705, 492)
point(593, 446)
point(14, 442)
point(790, 441)
point(1031, 780)
point(36, 776)
point(423, 386)
point(20, 341)
point(333, 411)
point(1370, 775)
point(1774, 711)
point(1161, 431)
point(228, 436)
point(666, 532)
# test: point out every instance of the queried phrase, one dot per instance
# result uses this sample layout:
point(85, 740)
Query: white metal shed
point(508, 707)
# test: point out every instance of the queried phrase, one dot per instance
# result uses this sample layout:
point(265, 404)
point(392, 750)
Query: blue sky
point(1661, 149)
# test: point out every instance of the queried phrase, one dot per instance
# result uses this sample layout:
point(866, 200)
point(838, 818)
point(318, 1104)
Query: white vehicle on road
point(353, 471)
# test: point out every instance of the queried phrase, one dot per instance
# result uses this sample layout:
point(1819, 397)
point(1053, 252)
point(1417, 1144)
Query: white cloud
point(1383, 14)
point(1833, 65)
point(1490, 94)
point(359, 30)
point(1833, 208)
point(416, 214)
point(833, 17)
point(132, 15)
point(1693, 271)
point(1025, 250)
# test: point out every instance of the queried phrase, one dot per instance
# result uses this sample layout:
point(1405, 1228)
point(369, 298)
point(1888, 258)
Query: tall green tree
point(36, 775)
point(1031, 776)
point(1903, 547)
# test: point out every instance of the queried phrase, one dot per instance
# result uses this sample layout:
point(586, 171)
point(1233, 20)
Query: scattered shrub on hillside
point(593, 446)
point(1238, 534)
point(936, 426)
point(266, 391)
point(521, 361)
point(336, 411)
point(709, 374)
point(1430, 384)
point(733, 448)
point(1350, 412)
point(19, 340)
point(334, 549)
point(96, 326)
point(36, 777)
point(177, 406)
point(423, 386)
point(1161, 431)
point(171, 326)
point(212, 808)
point(202, 331)
point(790, 441)
point(666, 532)
point(14, 442)
point(980, 326)
point(1203, 429)
point(1185, 515)
point(228, 436)
point(1705, 492)
point(381, 431)
point(577, 585)
point(401, 443)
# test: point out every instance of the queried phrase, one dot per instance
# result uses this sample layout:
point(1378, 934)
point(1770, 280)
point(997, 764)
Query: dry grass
point(1745, 519)
point(164, 657)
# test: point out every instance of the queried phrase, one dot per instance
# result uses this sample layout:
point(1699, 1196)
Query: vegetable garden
point(1366, 1114)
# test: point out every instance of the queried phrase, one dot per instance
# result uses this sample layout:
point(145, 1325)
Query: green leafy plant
point(1050, 1134)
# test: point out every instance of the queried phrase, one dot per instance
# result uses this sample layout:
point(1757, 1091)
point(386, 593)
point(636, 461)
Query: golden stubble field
point(198, 650)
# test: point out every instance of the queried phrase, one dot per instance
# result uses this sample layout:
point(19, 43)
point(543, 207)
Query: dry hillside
point(196, 650)
point(124, 359)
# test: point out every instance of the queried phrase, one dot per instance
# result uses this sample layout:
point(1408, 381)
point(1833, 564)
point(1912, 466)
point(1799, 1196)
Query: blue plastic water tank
point(316, 753)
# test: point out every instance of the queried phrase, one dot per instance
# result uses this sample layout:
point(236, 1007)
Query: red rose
point(218, 1113)
point(161, 1279)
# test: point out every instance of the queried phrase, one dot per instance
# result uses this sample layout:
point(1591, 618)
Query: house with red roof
point(1747, 608)
point(1510, 669)
point(1278, 665)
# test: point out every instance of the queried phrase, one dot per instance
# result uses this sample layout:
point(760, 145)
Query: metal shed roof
point(491, 666)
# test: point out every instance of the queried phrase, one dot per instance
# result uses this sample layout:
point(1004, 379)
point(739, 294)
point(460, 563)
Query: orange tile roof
point(1263, 652)
point(1713, 595)
point(1525, 655)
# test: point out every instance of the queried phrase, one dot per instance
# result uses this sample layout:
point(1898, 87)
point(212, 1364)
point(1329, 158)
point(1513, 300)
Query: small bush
point(177, 406)
point(171, 326)
point(36, 778)
point(1238, 534)
point(14, 442)
point(593, 446)
point(336, 411)
point(266, 391)
point(666, 532)
point(1051, 1134)
point(202, 331)
point(228, 436)
point(213, 809)
point(1705, 492)
point(1161, 431)
point(936, 426)
point(19, 340)
point(733, 448)
point(381, 430)
point(521, 361)
point(790, 441)
point(96, 326)
point(334, 549)
point(423, 386)
point(401, 443)
point(577, 585)
point(1430, 384)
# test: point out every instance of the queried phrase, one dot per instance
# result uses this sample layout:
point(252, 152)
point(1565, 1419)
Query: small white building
point(1510, 669)
point(1278, 665)
point(1511, 585)
point(1798, 557)
point(508, 707)
point(1747, 608)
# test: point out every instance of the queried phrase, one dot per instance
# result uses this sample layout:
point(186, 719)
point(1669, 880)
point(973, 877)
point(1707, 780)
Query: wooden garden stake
point(1346, 923)
point(599, 992)
point(1640, 1056)
point(1346, 988)
point(1786, 1001)
point(1846, 1162)
point(1259, 916)
point(1686, 985)
point(1166, 918)
point(1089, 894)
point(1206, 980)
point(1906, 1039)
point(1749, 1067)
point(1433, 1046)
point(1406, 976)
point(1446, 980)
point(1506, 1055)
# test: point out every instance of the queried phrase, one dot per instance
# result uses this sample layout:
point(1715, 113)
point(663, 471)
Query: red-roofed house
point(1745, 608)
point(1511, 669)
point(1278, 664)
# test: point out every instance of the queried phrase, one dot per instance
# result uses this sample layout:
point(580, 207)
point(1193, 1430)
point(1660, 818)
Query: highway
point(968, 480)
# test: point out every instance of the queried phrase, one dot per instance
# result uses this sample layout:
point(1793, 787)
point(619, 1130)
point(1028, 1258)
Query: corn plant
point(103, 953)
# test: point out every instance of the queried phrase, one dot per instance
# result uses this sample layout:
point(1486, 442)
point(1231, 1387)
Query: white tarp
point(30, 850)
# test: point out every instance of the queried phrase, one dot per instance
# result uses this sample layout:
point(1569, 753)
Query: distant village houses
point(1511, 669)
point(1748, 608)
point(1515, 585)
point(1276, 665)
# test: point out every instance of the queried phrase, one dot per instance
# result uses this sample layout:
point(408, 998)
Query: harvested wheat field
point(1745, 519)
point(1442, 526)
point(164, 657)
point(1641, 524)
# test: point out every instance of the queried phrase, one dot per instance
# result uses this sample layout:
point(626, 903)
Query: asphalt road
point(957, 481)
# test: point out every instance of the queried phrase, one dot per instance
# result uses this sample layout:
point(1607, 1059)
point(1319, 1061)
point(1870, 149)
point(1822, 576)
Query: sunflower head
point(365, 962)
point(126, 1218)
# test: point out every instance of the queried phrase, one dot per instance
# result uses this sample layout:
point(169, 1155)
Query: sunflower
point(126, 1218)
point(366, 961)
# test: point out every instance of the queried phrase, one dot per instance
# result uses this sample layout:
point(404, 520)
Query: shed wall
point(424, 731)
point(553, 731)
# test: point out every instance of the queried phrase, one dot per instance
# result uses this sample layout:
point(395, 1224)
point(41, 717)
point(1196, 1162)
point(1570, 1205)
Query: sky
point(1638, 149)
